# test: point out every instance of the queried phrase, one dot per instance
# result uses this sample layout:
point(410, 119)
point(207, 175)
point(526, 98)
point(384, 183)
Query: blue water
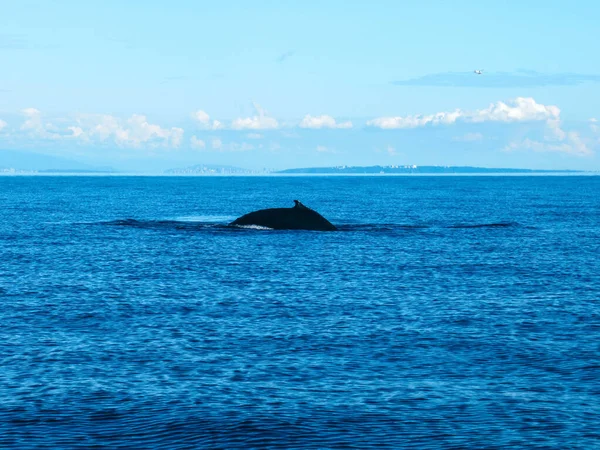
point(447, 312)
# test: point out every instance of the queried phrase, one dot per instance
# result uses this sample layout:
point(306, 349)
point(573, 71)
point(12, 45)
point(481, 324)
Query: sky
point(152, 85)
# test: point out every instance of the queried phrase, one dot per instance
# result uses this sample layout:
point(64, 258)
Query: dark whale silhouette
point(299, 217)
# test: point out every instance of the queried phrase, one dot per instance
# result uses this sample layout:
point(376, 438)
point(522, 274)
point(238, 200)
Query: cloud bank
point(98, 128)
point(521, 109)
point(132, 132)
point(544, 132)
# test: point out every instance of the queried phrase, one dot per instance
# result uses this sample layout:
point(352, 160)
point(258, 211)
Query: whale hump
point(298, 217)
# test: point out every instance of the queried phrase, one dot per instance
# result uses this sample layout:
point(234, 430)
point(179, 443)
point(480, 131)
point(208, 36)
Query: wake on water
point(221, 223)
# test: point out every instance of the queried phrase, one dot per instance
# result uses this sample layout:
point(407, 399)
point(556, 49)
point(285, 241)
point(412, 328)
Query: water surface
point(447, 312)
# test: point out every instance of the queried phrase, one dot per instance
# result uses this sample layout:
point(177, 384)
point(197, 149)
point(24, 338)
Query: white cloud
point(34, 118)
point(203, 120)
point(254, 123)
point(555, 130)
point(557, 140)
point(521, 109)
point(77, 131)
point(254, 136)
point(391, 150)
point(137, 130)
point(594, 125)
point(201, 117)
point(390, 123)
point(577, 145)
point(31, 112)
point(176, 136)
point(574, 146)
point(197, 143)
point(217, 144)
point(323, 121)
point(133, 132)
point(3, 124)
point(35, 126)
point(260, 121)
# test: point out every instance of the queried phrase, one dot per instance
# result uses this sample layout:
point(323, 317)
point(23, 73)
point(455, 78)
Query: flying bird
point(478, 72)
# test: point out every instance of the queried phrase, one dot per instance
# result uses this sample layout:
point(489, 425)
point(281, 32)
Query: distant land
point(13, 171)
point(205, 169)
point(28, 163)
point(408, 169)
point(208, 169)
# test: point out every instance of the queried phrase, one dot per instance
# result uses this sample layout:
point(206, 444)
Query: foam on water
point(252, 227)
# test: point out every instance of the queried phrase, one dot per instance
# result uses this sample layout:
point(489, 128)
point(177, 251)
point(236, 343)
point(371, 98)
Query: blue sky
point(153, 85)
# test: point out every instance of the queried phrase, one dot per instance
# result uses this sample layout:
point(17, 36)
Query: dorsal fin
point(298, 204)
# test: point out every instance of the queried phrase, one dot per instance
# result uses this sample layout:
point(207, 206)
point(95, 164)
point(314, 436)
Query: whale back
point(297, 218)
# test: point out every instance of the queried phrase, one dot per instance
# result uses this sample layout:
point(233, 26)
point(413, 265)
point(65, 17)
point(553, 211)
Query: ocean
point(447, 312)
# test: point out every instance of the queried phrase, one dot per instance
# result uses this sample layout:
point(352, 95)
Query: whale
point(298, 217)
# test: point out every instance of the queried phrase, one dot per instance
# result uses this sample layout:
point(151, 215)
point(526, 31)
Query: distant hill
point(208, 169)
point(411, 169)
point(12, 161)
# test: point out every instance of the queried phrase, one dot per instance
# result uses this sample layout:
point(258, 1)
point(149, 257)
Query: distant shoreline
point(321, 175)
point(414, 169)
point(205, 170)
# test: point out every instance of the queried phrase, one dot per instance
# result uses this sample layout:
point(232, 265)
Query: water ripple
point(446, 313)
